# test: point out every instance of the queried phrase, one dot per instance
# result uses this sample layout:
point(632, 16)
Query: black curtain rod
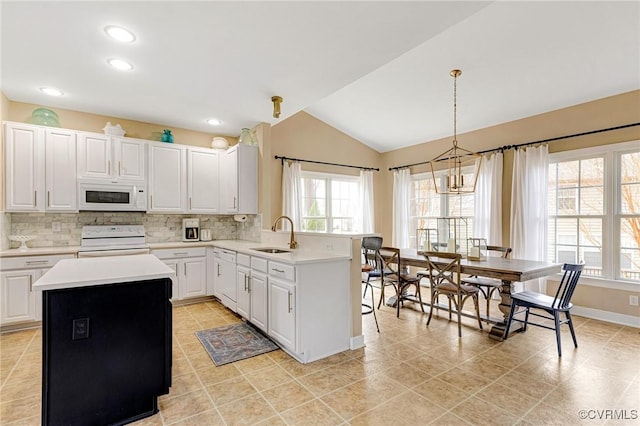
point(507, 147)
point(283, 159)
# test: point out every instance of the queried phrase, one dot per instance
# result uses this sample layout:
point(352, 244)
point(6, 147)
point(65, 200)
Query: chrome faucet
point(292, 244)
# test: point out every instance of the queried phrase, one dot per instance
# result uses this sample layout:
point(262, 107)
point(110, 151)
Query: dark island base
point(106, 352)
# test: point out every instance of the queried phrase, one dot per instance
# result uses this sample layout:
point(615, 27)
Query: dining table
point(507, 270)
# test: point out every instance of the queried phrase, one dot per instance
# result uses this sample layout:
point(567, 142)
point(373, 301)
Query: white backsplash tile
point(159, 228)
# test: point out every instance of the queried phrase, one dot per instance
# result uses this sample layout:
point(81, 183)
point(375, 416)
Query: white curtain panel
point(488, 200)
point(292, 194)
point(400, 218)
point(366, 201)
point(529, 208)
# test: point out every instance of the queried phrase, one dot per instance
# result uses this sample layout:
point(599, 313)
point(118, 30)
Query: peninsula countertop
point(92, 271)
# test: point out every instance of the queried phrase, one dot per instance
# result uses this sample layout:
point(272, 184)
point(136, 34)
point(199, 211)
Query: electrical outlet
point(80, 329)
point(55, 226)
point(633, 300)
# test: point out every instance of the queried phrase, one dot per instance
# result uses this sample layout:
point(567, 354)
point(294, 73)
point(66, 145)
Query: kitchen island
point(106, 339)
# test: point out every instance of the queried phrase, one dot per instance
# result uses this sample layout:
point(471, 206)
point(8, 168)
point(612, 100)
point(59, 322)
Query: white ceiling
point(378, 71)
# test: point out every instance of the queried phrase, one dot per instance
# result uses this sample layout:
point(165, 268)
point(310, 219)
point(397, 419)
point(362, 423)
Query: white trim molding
point(607, 316)
point(356, 342)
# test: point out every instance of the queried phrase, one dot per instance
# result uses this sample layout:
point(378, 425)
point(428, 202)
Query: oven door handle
point(103, 253)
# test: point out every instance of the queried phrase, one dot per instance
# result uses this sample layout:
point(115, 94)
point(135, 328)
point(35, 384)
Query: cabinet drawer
point(32, 262)
point(282, 270)
point(243, 259)
point(177, 253)
point(259, 264)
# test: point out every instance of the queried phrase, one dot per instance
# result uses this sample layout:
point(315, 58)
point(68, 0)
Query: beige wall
point(76, 120)
point(305, 137)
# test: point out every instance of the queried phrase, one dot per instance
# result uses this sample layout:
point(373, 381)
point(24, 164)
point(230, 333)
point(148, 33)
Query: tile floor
point(408, 374)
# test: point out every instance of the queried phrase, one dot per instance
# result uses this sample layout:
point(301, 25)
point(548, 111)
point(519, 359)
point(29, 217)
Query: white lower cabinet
point(259, 294)
point(225, 277)
point(243, 286)
point(190, 266)
point(18, 301)
point(282, 315)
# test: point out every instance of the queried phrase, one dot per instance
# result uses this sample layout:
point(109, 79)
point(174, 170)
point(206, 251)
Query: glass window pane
point(592, 172)
point(630, 198)
point(591, 232)
point(551, 240)
point(314, 208)
point(630, 264)
point(630, 232)
point(592, 201)
point(592, 261)
point(630, 167)
point(567, 202)
point(568, 174)
point(314, 225)
point(567, 231)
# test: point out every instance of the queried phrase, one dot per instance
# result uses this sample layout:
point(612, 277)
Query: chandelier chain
point(455, 110)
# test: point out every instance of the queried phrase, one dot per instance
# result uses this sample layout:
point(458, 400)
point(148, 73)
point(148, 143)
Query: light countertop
point(296, 256)
point(92, 271)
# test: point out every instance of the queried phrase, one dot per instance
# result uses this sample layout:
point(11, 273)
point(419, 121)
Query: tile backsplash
point(158, 227)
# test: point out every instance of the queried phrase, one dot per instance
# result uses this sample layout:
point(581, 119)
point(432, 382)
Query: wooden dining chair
point(488, 286)
point(553, 306)
point(444, 277)
point(400, 280)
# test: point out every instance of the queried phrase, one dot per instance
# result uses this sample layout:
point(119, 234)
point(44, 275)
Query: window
point(330, 203)
point(594, 210)
point(426, 206)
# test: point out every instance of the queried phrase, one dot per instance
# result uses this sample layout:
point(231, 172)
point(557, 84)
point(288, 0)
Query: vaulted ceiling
point(378, 71)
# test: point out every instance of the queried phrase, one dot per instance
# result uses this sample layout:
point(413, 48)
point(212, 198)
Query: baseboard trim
point(356, 342)
point(613, 317)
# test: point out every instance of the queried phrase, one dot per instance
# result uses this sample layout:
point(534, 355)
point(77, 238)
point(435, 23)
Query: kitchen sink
point(270, 250)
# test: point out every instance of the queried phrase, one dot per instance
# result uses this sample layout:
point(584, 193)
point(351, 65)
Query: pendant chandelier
point(456, 161)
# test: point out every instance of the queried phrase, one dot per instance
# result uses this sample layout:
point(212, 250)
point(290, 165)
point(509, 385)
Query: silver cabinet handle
point(119, 169)
point(248, 284)
point(108, 167)
point(35, 198)
point(180, 253)
point(48, 198)
point(234, 202)
point(278, 270)
point(218, 269)
point(189, 203)
point(289, 300)
point(30, 283)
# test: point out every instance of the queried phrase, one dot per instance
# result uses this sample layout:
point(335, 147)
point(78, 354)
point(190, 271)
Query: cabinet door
point(18, 300)
point(195, 277)
point(282, 320)
point(60, 169)
point(130, 158)
point(229, 180)
point(166, 178)
point(247, 178)
point(24, 162)
point(258, 287)
point(228, 288)
point(243, 302)
point(203, 169)
point(175, 280)
point(217, 278)
point(94, 155)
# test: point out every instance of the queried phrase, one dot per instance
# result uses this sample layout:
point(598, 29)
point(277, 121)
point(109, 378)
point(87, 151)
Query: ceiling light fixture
point(51, 91)
point(277, 100)
point(120, 34)
point(214, 122)
point(121, 65)
point(457, 159)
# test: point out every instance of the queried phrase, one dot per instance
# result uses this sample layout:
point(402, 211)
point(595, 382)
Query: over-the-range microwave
point(105, 195)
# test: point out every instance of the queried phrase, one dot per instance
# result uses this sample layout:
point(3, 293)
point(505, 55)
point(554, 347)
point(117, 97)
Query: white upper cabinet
point(40, 168)
point(167, 173)
point(60, 170)
point(108, 157)
point(203, 187)
point(130, 158)
point(239, 180)
point(24, 161)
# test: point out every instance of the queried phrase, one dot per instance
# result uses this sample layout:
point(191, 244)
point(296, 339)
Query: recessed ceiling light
point(214, 122)
point(51, 91)
point(120, 34)
point(119, 64)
